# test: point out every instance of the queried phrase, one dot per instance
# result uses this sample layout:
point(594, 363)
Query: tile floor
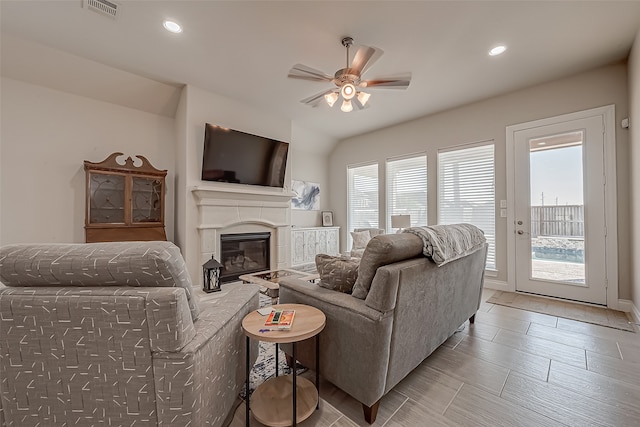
point(512, 367)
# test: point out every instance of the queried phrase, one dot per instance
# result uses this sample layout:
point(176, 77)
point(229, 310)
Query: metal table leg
point(295, 390)
point(247, 416)
point(318, 369)
point(277, 363)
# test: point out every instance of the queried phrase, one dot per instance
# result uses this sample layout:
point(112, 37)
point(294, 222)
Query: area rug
point(265, 366)
point(565, 309)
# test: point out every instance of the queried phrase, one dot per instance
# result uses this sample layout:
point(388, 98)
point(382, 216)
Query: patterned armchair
point(114, 334)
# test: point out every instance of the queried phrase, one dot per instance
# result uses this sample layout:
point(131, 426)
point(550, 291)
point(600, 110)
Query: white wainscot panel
point(219, 215)
point(208, 239)
point(276, 216)
point(250, 214)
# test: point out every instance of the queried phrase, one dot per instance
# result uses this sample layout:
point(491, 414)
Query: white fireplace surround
point(235, 209)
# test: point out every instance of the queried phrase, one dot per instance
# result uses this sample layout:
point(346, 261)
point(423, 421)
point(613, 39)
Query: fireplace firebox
point(243, 253)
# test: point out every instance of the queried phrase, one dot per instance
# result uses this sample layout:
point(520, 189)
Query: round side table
point(284, 400)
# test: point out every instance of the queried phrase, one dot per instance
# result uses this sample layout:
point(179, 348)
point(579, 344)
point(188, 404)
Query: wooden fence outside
point(565, 220)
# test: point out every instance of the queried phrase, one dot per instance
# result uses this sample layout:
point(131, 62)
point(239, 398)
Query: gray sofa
point(114, 334)
point(402, 308)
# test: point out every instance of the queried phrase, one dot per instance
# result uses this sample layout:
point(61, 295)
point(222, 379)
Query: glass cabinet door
point(107, 199)
point(146, 200)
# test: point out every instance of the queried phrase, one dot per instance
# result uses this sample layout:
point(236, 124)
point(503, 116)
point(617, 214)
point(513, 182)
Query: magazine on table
point(283, 319)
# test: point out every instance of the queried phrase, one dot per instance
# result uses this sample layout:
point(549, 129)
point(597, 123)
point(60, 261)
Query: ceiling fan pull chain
point(347, 42)
point(347, 56)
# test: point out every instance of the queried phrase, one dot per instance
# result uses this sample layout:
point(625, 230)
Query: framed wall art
point(327, 219)
point(307, 195)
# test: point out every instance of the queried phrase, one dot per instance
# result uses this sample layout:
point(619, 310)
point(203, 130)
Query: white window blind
point(466, 191)
point(362, 196)
point(407, 189)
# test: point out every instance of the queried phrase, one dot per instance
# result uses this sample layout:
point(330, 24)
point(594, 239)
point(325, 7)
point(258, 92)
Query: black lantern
point(211, 275)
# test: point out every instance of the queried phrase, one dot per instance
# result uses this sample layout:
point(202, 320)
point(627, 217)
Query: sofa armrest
point(317, 296)
point(351, 328)
point(168, 319)
point(209, 371)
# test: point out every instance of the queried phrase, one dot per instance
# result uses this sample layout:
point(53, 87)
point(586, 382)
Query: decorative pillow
point(360, 239)
point(337, 273)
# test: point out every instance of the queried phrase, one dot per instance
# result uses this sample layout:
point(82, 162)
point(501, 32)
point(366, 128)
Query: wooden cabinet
point(307, 242)
point(124, 202)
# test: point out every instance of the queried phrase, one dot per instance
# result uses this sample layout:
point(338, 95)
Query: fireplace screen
point(243, 254)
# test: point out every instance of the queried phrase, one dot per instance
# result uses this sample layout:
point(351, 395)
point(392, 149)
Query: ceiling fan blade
point(300, 71)
point(314, 100)
point(397, 82)
point(357, 104)
point(365, 57)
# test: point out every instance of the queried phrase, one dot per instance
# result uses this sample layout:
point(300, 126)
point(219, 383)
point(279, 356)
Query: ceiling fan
point(348, 80)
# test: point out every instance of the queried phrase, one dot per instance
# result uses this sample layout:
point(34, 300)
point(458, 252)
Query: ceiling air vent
point(104, 7)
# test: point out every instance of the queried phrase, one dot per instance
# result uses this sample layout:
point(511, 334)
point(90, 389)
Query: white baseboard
point(629, 307)
point(497, 285)
point(624, 305)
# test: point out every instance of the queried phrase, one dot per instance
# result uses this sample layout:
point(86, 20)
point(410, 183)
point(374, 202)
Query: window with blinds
point(362, 197)
point(407, 189)
point(466, 190)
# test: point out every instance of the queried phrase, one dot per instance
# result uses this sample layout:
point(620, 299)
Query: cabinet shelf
point(123, 201)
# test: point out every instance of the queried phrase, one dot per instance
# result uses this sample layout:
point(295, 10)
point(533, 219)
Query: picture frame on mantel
point(327, 218)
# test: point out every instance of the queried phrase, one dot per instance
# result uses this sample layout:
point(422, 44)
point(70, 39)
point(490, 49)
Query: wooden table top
point(308, 322)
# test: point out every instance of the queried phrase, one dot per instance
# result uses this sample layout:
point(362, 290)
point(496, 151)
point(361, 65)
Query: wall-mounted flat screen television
point(238, 157)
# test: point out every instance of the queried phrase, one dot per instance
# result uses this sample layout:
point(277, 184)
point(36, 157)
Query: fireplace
point(243, 253)
point(233, 209)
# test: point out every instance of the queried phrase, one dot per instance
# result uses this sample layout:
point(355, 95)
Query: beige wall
point(198, 107)
point(45, 137)
point(312, 167)
point(634, 175)
point(487, 120)
point(47, 134)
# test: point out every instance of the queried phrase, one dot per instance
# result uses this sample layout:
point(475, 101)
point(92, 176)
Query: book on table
point(283, 319)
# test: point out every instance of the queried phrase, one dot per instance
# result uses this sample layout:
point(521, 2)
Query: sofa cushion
point(360, 239)
point(337, 273)
point(141, 264)
point(382, 250)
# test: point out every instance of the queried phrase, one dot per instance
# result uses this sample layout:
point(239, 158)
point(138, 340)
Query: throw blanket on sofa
point(445, 243)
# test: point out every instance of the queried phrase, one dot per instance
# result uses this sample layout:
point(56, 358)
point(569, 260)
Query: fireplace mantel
point(219, 194)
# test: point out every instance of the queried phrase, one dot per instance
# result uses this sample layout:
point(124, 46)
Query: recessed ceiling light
point(497, 50)
point(172, 26)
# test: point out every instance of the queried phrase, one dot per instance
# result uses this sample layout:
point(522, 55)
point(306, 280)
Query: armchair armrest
point(208, 371)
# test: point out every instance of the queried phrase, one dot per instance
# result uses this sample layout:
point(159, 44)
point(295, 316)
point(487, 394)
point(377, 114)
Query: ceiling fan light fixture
point(331, 98)
point(348, 91)
point(363, 97)
point(348, 81)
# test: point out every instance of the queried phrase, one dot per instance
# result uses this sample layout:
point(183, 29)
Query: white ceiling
point(244, 50)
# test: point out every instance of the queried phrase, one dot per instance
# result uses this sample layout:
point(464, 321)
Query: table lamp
point(400, 222)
